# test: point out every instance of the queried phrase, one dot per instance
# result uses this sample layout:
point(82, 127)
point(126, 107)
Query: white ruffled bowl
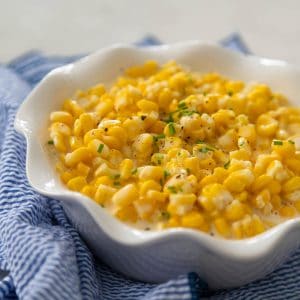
point(155, 256)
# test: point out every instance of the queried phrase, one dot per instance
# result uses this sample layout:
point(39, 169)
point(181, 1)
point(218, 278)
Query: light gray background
point(271, 28)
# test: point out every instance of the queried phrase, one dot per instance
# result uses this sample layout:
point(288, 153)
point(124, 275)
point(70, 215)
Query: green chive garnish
point(278, 143)
point(165, 215)
point(172, 189)
point(134, 171)
point(226, 165)
point(50, 142)
point(100, 148)
point(291, 142)
point(158, 137)
point(166, 174)
point(172, 128)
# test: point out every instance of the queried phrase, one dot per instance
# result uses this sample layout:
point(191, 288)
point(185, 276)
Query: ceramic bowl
point(143, 255)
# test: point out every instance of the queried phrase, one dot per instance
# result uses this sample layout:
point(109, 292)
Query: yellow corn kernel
point(83, 169)
point(274, 187)
point(287, 211)
point(239, 180)
point(208, 180)
point(104, 107)
point(147, 106)
point(234, 86)
point(248, 132)
point(66, 176)
point(149, 185)
point(87, 122)
point(88, 190)
point(98, 90)
point(104, 193)
point(237, 230)
point(214, 196)
point(180, 204)
point(242, 197)
point(118, 132)
point(93, 134)
point(97, 147)
point(143, 144)
point(284, 148)
point(156, 196)
point(297, 205)
point(266, 125)
point(105, 179)
point(260, 182)
point(178, 80)
point(59, 142)
point(76, 183)
point(164, 99)
point(291, 185)
point(133, 127)
point(75, 142)
point(127, 213)
point(126, 195)
point(262, 198)
point(173, 222)
point(126, 168)
point(81, 154)
point(112, 142)
point(62, 117)
point(276, 201)
point(60, 128)
point(149, 68)
point(151, 172)
point(72, 107)
point(258, 225)
point(235, 211)
point(293, 164)
point(222, 227)
point(192, 220)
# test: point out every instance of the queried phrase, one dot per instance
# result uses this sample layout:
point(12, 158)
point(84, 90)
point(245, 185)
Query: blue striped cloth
point(43, 255)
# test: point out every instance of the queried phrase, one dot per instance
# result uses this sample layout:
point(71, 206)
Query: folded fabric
point(42, 252)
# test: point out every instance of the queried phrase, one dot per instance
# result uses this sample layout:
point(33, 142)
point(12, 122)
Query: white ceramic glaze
point(156, 256)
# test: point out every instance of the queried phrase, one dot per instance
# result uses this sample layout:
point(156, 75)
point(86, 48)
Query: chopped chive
point(158, 137)
point(226, 165)
point(291, 142)
point(134, 171)
point(200, 142)
point(172, 189)
point(170, 118)
point(166, 174)
point(230, 93)
point(276, 142)
point(50, 142)
point(165, 215)
point(188, 112)
point(172, 130)
point(117, 183)
point(182, 105)
point(100, 148)
point(206, 149)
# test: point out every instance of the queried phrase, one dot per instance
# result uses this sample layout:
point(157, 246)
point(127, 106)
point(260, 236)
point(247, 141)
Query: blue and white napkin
point(44, 256)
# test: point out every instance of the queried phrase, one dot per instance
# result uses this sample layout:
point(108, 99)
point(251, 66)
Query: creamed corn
point(166, 147)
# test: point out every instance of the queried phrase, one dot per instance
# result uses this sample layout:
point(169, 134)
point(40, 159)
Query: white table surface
point(270, 28)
